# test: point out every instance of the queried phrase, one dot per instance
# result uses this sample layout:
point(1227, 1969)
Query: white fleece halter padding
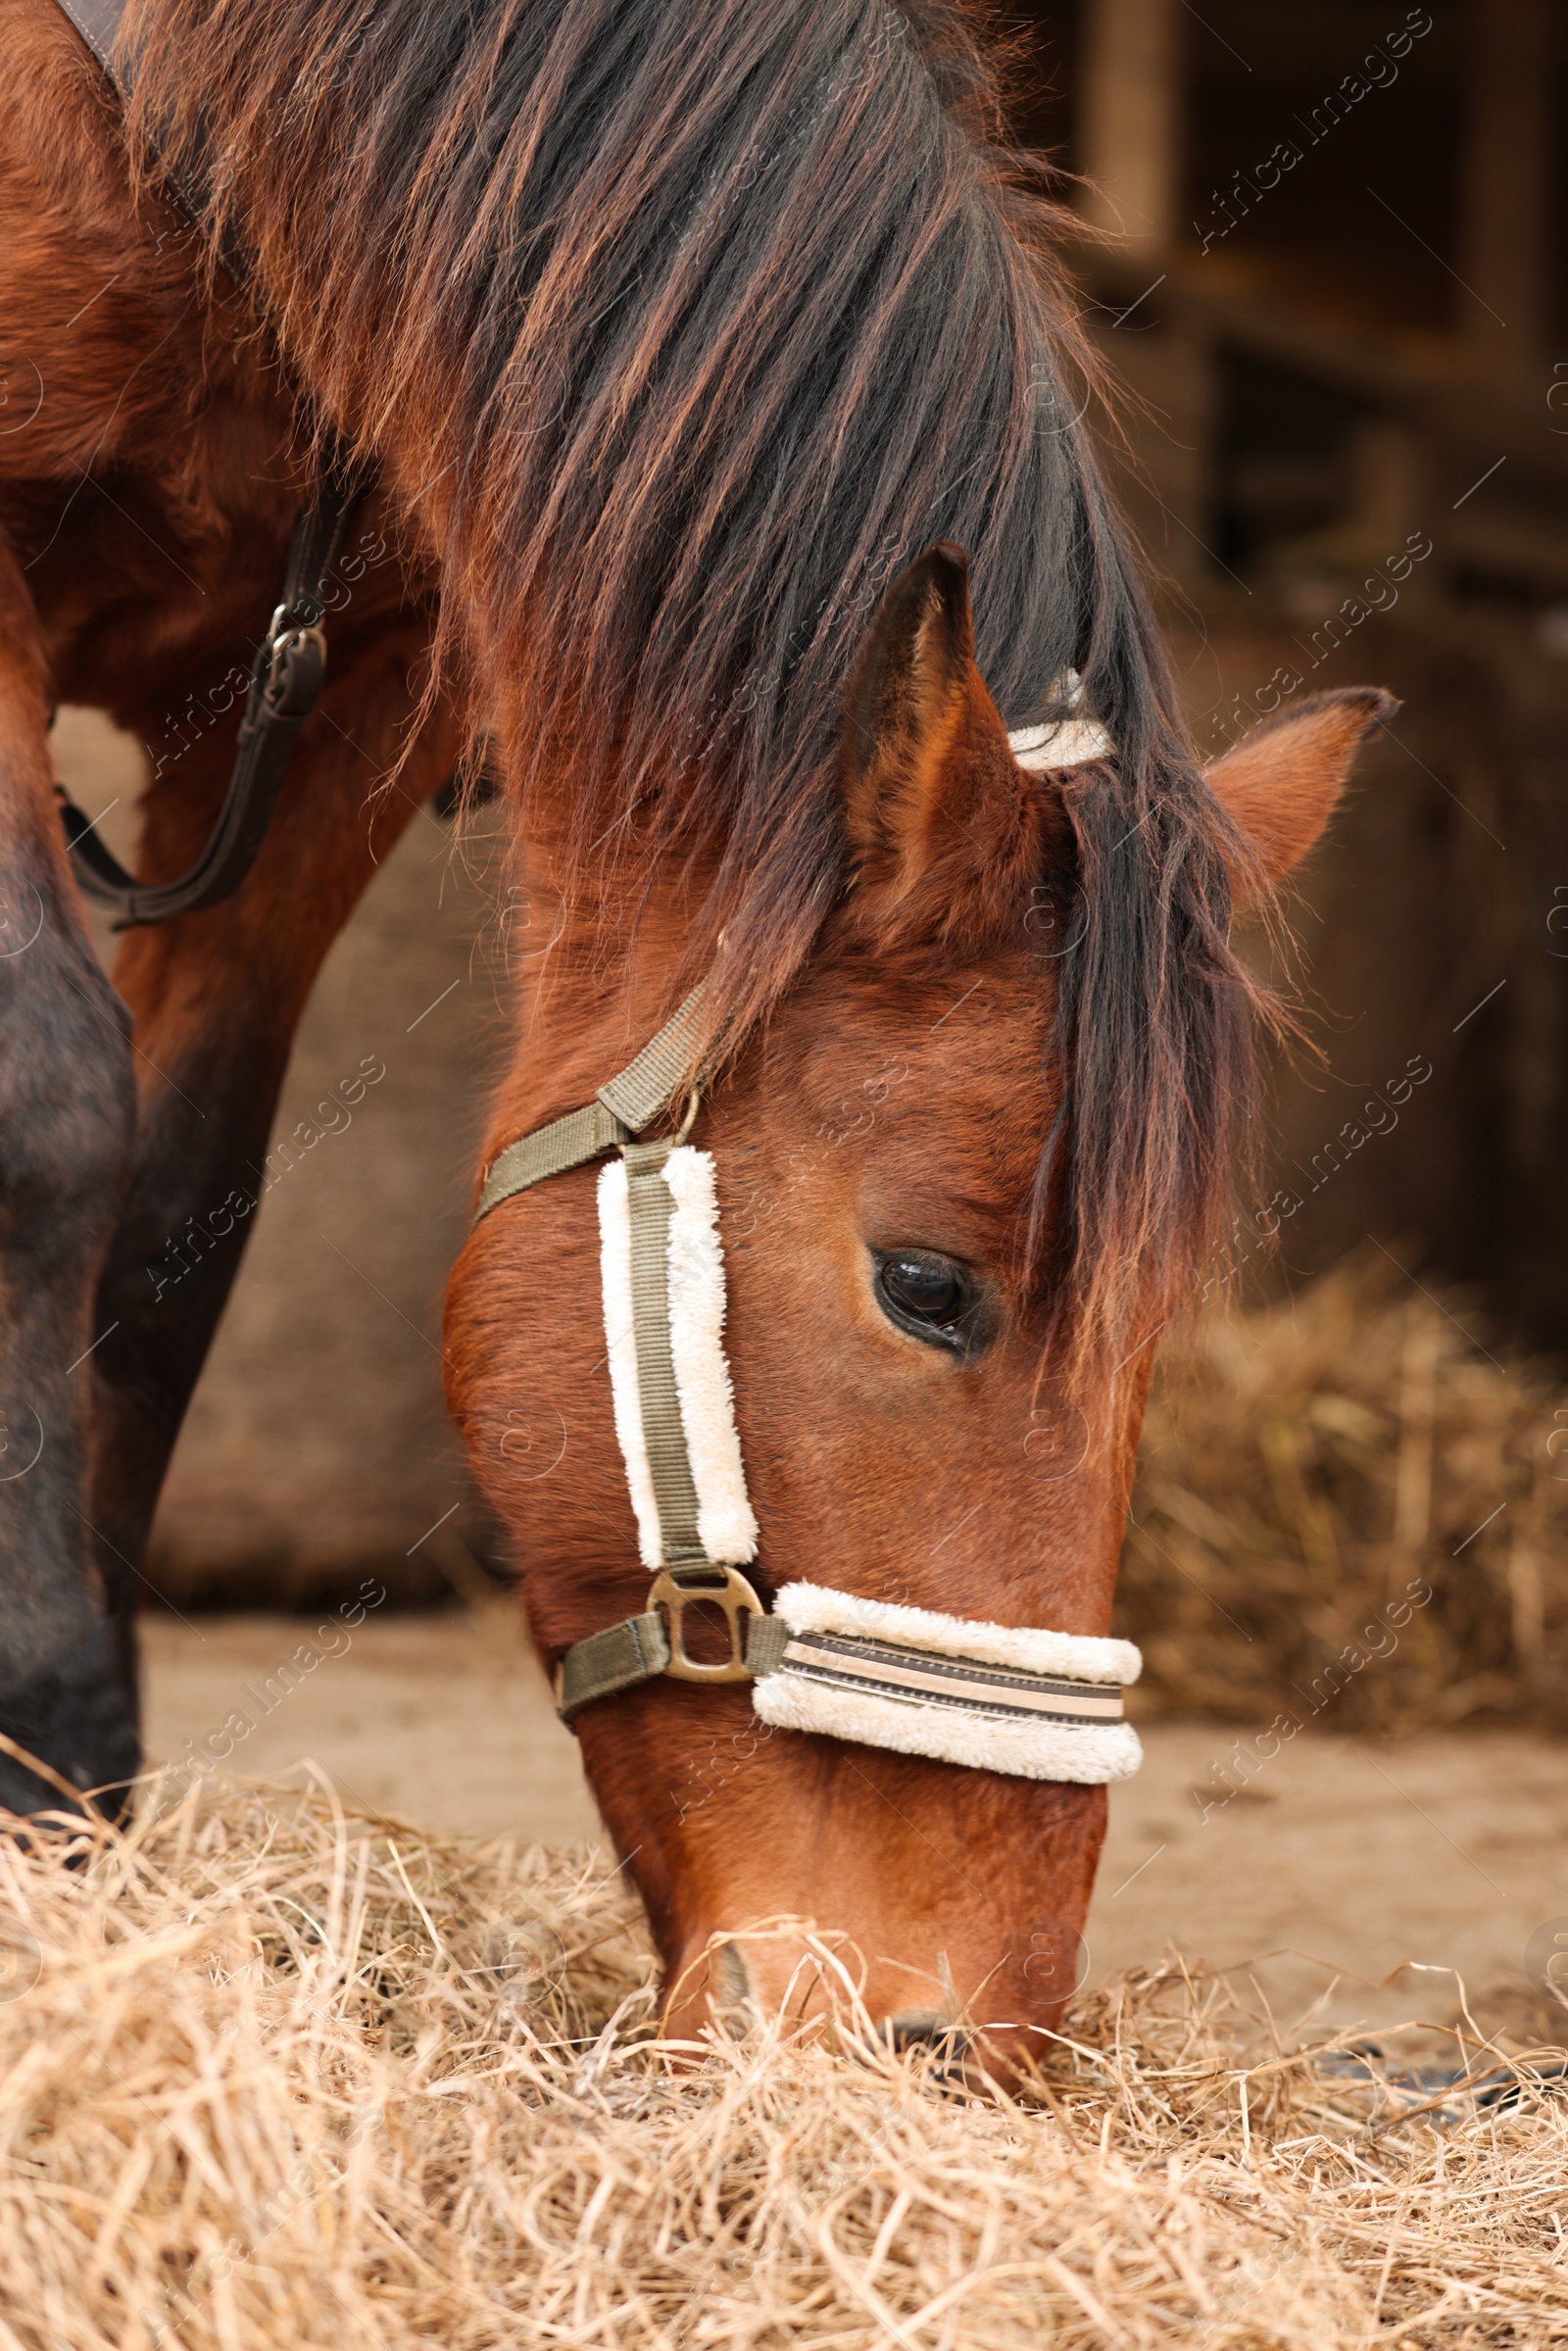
point(1039, 750)
point(813, 1608)
point(1088, 1753)
point(985, 1742)
point(724, 1518)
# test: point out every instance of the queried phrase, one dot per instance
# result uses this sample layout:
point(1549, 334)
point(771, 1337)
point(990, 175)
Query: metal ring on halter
point(733, 1597)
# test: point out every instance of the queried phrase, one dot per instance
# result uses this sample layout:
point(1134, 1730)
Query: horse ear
point(934, 804)
point(1282, 782)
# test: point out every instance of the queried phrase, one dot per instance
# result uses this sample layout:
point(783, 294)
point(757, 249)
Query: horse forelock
point(680, 328)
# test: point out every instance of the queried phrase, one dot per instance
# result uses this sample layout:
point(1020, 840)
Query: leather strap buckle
point(729, 1592)
point(295, 653)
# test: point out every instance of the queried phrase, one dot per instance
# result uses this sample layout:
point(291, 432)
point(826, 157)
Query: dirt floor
point(1340, 1871)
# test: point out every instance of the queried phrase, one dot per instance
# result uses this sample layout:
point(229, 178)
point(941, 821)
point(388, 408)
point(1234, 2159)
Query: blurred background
point(1336, 300)
point(1321, 246)
point(1330, 294)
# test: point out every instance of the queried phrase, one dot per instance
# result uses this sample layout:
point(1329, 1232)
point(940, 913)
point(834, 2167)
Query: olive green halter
point(626, 1103)
point(1036, 1705)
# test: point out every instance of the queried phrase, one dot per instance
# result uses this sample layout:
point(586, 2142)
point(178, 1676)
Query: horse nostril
point(926, 2029)
point(731, 1996)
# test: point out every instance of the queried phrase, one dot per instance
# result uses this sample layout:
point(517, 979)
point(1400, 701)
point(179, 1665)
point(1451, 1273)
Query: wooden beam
point(1504, 238)
point(1130, 110)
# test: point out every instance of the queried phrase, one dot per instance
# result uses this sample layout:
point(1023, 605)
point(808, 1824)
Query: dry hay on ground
point(1309, 1472)
point(277, 2077)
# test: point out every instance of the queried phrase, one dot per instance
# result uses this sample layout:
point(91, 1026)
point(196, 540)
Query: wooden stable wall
point(1432, 945)
point(1336, 308)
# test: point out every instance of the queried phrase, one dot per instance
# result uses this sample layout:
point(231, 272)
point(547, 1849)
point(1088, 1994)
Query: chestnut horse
point(689, 345)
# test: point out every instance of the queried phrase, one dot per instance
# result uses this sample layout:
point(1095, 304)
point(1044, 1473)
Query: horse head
point(936, 1451)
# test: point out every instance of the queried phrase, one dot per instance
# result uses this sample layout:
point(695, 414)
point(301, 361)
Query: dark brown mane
point(681, 328)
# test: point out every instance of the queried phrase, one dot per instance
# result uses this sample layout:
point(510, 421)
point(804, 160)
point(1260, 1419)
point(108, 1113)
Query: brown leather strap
point(98, 22)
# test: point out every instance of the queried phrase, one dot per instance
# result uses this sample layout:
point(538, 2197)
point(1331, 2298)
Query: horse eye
point(924, 1294)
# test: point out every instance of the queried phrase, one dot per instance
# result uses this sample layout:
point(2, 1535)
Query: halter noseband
point(1036, 1705)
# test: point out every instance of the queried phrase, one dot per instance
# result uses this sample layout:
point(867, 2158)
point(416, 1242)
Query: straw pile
point(1352, 1508)
point(274, 2077)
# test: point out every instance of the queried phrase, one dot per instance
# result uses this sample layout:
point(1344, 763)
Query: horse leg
point(217, 997)
point(67, 1104)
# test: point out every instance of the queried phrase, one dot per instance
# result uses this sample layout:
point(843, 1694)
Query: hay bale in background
point(1349, 1511)
point(272, 2076)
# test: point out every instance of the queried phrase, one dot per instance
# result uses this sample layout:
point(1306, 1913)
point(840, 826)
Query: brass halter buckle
point(733, 1597)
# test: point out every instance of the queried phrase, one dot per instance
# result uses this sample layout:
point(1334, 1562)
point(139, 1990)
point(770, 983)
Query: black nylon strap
point(285, 683)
